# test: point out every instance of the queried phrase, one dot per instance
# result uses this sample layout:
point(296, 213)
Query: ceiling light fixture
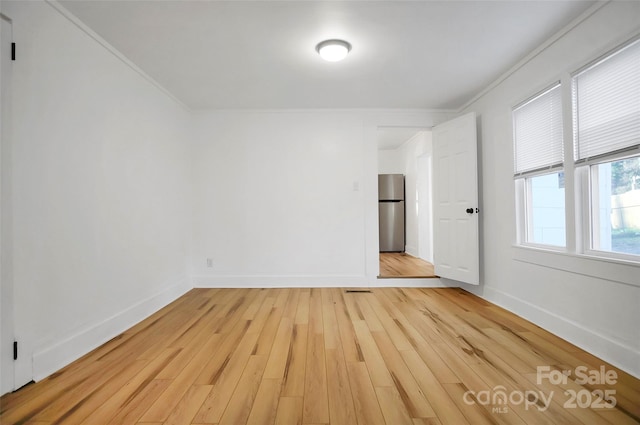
point(333, 50)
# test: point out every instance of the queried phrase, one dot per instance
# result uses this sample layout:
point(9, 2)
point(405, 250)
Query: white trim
point(48, 360)
point(609, 269)
point(543, 247)
point(115, 52)
point(377, 114)
point(570, 219)
point(618, 354)
point(413, 283)
point(279, 281)
point(308, 281)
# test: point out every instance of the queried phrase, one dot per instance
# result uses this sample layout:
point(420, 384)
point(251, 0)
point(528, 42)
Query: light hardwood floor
point(395, 264)
point(324, 356)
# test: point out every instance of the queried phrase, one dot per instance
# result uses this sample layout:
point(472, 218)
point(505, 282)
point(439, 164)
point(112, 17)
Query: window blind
point(606, 100)
point(537, 128)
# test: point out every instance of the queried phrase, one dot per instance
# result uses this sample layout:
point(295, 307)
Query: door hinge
point(15, 350)
point(13, 51)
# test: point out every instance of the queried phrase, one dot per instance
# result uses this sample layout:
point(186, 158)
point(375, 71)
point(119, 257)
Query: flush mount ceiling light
point(333, 50)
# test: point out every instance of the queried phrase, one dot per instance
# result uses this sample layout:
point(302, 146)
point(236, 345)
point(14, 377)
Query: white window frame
point(578, 191)
point(524, 211)
point(582, 169)
point(584, 175)
point(522, 183)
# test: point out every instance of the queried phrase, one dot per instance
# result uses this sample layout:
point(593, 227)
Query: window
point(615, 206)
point(606, 108)
point(603, 184)
point(538, 159)
point(545, 212)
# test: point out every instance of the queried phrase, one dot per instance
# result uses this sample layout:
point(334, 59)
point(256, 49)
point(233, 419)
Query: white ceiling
point(260, 54)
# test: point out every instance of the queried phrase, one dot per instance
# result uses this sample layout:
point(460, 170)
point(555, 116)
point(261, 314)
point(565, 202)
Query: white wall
point(288, 197)
point(277, 196)
point(390, 161)
point(591, 303)
point(100, 191)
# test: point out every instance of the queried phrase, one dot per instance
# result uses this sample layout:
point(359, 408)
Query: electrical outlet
point(209, 262)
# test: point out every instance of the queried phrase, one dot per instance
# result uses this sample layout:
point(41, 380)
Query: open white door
point(455, 195)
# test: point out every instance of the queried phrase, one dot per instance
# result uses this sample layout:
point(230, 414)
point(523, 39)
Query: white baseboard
point(285, 281)
point(614, 352)
point(50, 359)
point(344, 281)
point(410, 283)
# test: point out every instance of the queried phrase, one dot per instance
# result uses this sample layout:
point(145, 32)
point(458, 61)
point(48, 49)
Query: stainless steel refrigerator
point(391, 212)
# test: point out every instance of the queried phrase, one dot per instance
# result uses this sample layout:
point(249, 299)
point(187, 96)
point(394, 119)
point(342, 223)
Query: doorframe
point(386, 120)
point(425, 164)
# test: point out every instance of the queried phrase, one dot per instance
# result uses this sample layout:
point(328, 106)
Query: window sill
point(611, 269)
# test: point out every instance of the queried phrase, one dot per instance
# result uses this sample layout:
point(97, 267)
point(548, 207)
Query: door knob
point(469, 210)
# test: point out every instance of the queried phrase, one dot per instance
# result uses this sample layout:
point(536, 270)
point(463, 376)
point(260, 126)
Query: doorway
point(407, 151)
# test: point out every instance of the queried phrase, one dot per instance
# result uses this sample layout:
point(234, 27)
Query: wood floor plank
point(316, 400)
point(365, 310)
point(268, 333)
point(581, 415)
point(121, 398)
point(409, 390)
point(161, 408)
point(302, 313)
point(76, 405)
point(427, 421)
point(44, 394)
point(291, 307)
point(312, 356)
point(280, 352)
point(365, 401)
point(266, 310)
point(392, 406)
point(134, 409)
point(218, 361)
point(387, 314)
point(473, 412)
point(421, 321)
point(289, 411)
point(225, 382)
point(189, 405)
point(330, 323)
point(239, 407)
point(395, 264)
point(470, 381)
point(380, 375)
point(341, 409)
point(227, 366)
point(445, 408)
point(353, 309)
point(350, 345)
point(316, 403)
point(265, 406)
point(294, 372)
